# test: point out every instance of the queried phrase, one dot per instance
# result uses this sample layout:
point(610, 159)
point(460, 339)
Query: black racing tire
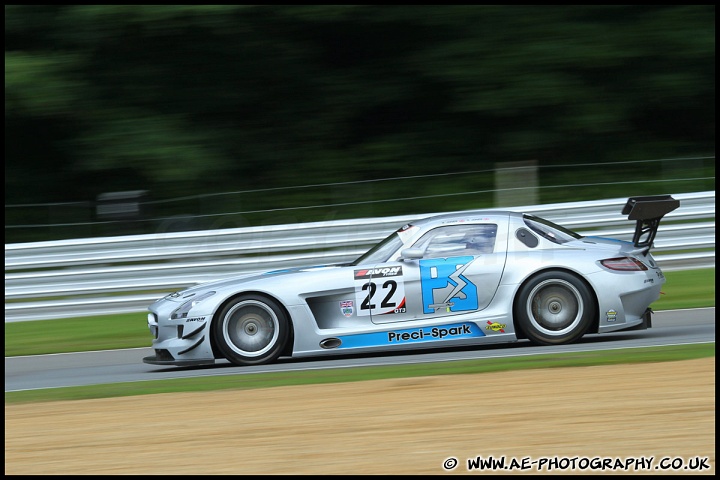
point(251, 330)
point(554, 308)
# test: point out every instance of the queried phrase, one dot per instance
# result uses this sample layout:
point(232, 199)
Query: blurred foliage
point(186, 101)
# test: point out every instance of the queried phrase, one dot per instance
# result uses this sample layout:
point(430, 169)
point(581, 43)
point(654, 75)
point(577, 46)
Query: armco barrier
point(72, 278)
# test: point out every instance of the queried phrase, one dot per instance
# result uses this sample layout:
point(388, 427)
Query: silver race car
point(455, 279)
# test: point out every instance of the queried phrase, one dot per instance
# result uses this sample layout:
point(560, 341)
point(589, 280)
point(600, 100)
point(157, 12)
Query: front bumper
point(163, 357)
point(182, 342)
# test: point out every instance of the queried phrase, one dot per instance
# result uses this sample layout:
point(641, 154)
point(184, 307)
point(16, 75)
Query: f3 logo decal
point(445, 287)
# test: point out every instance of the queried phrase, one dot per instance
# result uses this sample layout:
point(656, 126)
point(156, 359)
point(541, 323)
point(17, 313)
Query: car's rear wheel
point(554, 308)
point(251, 330)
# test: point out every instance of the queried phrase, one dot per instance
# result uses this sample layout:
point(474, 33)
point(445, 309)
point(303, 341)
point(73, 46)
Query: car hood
point(245, 278)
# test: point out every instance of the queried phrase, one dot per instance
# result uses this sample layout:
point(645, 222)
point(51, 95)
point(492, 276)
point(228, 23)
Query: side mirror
point(412, 254)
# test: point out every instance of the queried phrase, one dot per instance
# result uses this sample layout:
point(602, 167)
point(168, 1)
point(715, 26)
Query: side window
point(456, 240)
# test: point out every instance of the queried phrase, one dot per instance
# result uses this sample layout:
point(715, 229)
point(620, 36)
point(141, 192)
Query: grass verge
point(356, 374)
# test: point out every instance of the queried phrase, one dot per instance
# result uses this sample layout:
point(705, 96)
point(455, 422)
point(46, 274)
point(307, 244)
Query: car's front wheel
point(251, 330)
point(554, 308)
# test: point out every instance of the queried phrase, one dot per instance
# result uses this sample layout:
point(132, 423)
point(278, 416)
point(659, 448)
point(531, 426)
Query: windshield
point(549, 230)
point(382, 251)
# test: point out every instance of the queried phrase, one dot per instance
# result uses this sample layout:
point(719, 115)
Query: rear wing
point(648, 211)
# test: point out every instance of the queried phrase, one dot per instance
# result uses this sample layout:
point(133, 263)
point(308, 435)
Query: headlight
point(153, 325)
point(182, 310)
